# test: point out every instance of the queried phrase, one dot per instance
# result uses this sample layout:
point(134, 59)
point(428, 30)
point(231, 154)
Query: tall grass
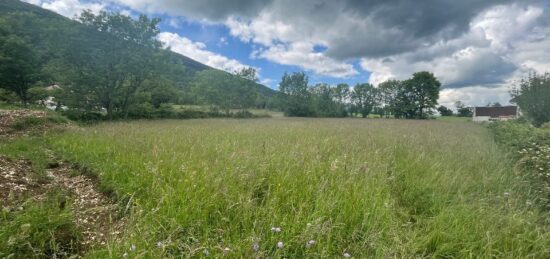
point(369, 188)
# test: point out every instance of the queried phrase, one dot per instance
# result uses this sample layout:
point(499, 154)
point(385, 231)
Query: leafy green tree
point(38, 94)
point(421, 94)
point(109, 66)
point(248, 73)
point(462, 110)
point(341, 95)
point(533, 97)
point(295, 99)
point(323, 101)
point(388, 92)
point(444, 111)
point(364, 98)
point(19, 66)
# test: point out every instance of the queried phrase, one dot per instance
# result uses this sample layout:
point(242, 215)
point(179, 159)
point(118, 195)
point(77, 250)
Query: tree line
point(414, 98)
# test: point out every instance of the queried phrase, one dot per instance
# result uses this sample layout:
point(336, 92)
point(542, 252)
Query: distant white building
point(495, 113)
point(50, 102)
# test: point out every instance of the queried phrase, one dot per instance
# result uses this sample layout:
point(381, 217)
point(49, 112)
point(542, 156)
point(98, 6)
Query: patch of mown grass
point(39, 229)
point(371, 188)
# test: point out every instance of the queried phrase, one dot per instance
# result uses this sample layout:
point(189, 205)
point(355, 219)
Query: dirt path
point(95, 214)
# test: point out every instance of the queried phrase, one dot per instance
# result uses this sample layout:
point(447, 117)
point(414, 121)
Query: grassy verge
point(370, 188)
point(530, 148)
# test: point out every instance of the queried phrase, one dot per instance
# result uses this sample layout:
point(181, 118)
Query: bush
point(531, 147)
point(80, 115)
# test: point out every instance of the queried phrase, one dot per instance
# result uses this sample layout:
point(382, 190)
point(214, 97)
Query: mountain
point(60, 42)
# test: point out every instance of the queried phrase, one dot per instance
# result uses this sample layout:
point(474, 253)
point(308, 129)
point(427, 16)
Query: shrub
point(531, 147)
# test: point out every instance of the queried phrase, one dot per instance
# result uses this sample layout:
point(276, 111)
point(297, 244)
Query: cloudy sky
point(477, 48)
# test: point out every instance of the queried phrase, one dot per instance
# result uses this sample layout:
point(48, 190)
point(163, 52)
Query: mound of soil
point(9, 117)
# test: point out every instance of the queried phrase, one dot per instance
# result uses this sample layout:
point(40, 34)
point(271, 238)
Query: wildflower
point(275, 229)
point(506, 194)
point(308, 225)
point(226, 250)
point(205, 252)
point(159, 244)
point(124, 255)
point(280, 244)
point(347, 255)
point(133, 247)
point(256, 246)
point(310, 243)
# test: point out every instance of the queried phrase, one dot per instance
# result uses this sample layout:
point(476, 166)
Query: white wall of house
point(481, 118)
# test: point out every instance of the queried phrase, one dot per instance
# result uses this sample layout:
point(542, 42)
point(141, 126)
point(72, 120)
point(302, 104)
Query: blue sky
point(477, 49)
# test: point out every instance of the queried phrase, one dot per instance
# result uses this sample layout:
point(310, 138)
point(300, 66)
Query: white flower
point(133, 247)
point(159, 244)
point(276, 229)
point(506, 194)
point(347, 255)
point(206, 253)
point(256, 246)
point(280, 244)
point(310, 243)
point(124, 255)
point(308, 225)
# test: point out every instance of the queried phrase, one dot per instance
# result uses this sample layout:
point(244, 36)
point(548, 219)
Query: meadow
point(310, 188)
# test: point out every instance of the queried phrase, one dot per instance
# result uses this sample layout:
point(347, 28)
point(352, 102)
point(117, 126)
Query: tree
point(364, 99)
point(533, 97)
point(110, 67)
point(247, 73)
point(19, 66)
point(462, 110)
point(444, 111)
point(295, 99)
point(341, 95)
point(420, 95)
point(323, 101)
point(38, 94)
point(388, 92)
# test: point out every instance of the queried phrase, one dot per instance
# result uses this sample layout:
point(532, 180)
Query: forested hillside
point(108, 62)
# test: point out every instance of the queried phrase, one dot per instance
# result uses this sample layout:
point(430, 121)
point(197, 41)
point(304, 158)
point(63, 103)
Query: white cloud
point(301, 54)
point(198, 52)
point(282, 44)
point(474, 96)
point(68, 8)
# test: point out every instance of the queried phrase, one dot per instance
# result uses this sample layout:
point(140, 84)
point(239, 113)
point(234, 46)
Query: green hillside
point(58, 50)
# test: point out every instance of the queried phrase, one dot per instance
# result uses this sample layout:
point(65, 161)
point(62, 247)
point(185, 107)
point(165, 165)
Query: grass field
point(368, 188)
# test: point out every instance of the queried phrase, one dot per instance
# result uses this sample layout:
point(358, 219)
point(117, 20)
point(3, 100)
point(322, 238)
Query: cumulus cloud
point(198, 52)
point(474, 95)
point(68, 8)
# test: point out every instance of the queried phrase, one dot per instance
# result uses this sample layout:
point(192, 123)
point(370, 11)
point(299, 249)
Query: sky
point(478, 49)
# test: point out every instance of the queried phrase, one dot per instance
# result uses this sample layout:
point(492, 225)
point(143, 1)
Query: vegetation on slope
point(239, 188)
point(108, 62)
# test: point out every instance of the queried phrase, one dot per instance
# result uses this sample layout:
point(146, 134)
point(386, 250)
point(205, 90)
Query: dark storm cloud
point(415, 23)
